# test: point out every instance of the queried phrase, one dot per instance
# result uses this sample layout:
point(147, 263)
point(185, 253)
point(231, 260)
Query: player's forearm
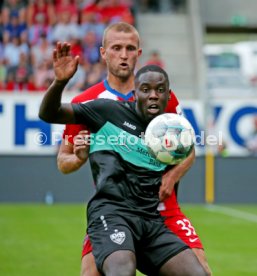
point(51, 110)
point(173, 175)
point(68, 163)
point(177, 172)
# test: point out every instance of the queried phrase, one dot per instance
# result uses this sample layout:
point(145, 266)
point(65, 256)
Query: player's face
point(152, 94)
point(120, 53)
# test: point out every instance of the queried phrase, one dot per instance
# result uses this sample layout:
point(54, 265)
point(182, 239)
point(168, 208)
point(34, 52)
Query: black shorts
point(151, 241)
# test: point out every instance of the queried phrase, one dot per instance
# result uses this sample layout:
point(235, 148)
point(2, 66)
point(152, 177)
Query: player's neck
point(123, 86)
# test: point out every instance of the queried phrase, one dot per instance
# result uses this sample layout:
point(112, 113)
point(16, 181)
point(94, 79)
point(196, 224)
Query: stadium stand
point(30, 30)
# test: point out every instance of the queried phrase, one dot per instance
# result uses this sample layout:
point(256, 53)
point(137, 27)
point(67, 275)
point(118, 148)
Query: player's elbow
point(44, 116)
point(62, 166)
point(64, 170)
point(67, 164)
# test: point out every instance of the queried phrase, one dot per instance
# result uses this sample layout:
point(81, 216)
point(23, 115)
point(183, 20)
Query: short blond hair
point(120, 27)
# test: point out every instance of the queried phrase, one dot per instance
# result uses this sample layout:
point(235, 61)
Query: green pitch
point(46, 240)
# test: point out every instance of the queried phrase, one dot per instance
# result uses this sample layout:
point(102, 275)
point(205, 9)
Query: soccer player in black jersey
point(124, 226)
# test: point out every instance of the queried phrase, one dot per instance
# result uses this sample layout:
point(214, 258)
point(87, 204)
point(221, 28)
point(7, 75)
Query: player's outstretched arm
point(71, 157)
point(51, 110)
point(65, 66)
point(172, 176)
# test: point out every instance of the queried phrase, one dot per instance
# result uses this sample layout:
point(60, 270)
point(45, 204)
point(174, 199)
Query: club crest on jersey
point(118, 237)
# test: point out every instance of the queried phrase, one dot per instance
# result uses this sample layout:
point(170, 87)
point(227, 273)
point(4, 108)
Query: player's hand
point(65, 65)
point(167, 185)
point(81, 145)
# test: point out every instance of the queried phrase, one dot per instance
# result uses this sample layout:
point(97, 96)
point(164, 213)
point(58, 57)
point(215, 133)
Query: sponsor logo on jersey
point(118, 237)
point(193, 240)
point(129, 125)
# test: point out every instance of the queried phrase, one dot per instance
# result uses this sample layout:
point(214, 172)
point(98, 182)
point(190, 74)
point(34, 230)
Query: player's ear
point(139, 52)
point(102, 52)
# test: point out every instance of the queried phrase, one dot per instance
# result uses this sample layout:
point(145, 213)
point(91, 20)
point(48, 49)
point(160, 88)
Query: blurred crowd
point(29, 30)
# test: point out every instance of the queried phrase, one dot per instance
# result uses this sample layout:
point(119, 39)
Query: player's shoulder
point(173, 104)
point(102, 106)
point(102, 103)
point(89, 94)
point(173, 97)
point(173, 100)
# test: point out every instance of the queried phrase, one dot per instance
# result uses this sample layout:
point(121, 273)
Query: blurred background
point(209, 52)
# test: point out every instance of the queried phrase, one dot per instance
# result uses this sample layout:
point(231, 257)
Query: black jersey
point(127, 178)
